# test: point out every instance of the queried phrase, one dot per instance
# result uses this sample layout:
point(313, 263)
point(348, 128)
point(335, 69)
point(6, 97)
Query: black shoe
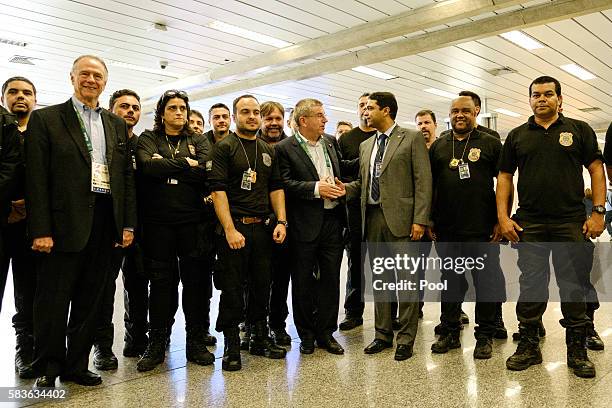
point(24, 352)
point(441, 329)
point(377, 346)
point(464, 319)
point(196, 350)
point(500, 329)
point(446, 342)
point(209, 339)
point(403, 352)
point(104, 358)
point(45, 381)
point(307, 346)
point(577, 358)
point(155, 353)
point(133, 350)
point(349, 323)
point(331, 345)
point(527, 352)
point(231, 353)
point(593, 341)
point(281, 337)
point(86, 378)
point(396, 324)
point(483, 349)
point(261, 344)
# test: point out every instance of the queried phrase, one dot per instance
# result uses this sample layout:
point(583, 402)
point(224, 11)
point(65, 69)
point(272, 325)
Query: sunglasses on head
point(173, 93)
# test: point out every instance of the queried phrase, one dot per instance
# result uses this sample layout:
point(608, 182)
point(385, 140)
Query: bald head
point(463, 115)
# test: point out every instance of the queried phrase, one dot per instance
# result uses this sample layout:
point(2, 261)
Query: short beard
point(246, 132)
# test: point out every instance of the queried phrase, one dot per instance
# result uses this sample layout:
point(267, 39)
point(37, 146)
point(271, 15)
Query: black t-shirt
point(550, 161)
point(169, 190)
point(228, 166)
point(349, 143)
point(608, 146)
point(465, 207)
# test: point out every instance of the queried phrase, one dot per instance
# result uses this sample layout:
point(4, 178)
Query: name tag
point(100, 178)
point(464, 171)
point(377, 169)
point(246, 181)
point(172, 181)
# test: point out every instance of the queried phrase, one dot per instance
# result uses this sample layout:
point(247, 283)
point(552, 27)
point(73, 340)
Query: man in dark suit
point(81, 203)
point(310, 168)
point(395, 186)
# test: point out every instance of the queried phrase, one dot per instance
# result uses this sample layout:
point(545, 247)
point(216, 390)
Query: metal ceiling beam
point(394, 26)
point(559, 10)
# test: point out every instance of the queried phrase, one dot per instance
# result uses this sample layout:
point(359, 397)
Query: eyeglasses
point(173, 93)
point(318, 116)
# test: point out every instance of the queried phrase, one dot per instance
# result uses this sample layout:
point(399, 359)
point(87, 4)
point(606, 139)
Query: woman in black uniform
point(171, 159)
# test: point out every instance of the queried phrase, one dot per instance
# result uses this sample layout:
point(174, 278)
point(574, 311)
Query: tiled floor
point(351, 380)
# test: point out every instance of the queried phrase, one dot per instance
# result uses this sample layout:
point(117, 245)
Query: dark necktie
point(375, 189)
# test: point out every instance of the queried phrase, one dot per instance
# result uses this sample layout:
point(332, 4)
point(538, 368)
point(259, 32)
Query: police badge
point(266, 159)
point(566, 139)
point(192, 150)
point(474, 154)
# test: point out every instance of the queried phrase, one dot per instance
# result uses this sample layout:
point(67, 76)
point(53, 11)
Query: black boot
point(231, 354)
point(447, 341)
point(593, 341)
point(262, 345)
point(577, 358)
point(528, 350)
point(155, 352)
point(23, 356)
point(500, 328)
point(246, 338)
point(104, 358)
point(196, 348)
point(484, 348)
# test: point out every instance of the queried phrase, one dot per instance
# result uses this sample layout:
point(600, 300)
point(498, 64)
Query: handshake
point(331, 189)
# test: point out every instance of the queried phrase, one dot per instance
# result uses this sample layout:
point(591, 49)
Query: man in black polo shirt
point(245, 184)
point(349, 149)
point(464, 166)
point(549, 152)
point(220, 121)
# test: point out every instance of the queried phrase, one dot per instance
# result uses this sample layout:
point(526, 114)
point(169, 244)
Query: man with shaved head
point(464, 167)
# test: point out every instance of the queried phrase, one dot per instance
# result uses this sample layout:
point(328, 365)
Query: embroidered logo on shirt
point(566, 139)
point(192, 150)
point(474, 154)
point(266, 159)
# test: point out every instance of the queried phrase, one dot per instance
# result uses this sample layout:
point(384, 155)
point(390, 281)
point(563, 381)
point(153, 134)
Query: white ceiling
point(56, 31)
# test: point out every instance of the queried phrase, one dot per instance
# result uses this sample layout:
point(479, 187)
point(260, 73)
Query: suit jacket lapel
point(74, 129)
point(305, 158)
point(365, 162)
point(109, 135)
point(331, 152)
point(394, 141)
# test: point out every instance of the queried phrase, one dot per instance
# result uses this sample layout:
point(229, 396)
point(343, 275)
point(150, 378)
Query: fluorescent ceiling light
point(373, 72)
point(578, 71)
point(336, 108)
point(140, 68)
point(522, 40)
point(271, 95)
point(508, 112)
point(251, 35)
point(440, 92)
point(13, 42)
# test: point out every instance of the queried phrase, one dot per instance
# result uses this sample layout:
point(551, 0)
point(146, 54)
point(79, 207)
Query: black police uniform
point(249, 209)
point(550, 192)
point(353, 302)
point(170, 194)
point(464, 212)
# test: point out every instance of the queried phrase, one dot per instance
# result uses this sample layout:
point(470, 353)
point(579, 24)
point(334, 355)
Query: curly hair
point(158, 123)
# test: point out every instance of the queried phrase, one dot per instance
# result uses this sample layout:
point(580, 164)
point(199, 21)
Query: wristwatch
point(282, 222)
point(599, 209)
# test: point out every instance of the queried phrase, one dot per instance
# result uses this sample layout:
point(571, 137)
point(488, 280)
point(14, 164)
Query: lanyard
point(174, 150)
point(247, 157)
point(84, 130)
point(304, 146)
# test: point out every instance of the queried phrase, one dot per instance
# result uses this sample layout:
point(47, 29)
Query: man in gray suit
point(396, 188)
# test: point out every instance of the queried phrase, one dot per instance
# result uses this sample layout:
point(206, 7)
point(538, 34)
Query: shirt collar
point(388, 131)
point(81, 107)
point(532, 123)
point(308, 142)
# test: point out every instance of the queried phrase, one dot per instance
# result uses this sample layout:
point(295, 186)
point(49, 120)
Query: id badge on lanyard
point(464, 171)
point(100, 178)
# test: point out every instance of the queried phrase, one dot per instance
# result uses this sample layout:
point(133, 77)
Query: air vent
point(502, 71)
point(20, 59)
point(591, 109)
point(13, 42)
